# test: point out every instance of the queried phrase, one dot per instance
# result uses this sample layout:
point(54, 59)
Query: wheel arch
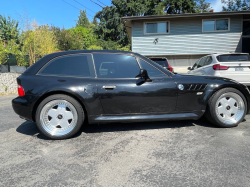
point(54, 93)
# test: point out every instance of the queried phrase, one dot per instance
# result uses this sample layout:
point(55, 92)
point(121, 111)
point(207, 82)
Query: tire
point(226, 108)
point(59, 116)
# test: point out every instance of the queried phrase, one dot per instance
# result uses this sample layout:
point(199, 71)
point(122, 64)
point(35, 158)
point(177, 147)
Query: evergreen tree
point(202, 6)
point(83, 20)
point(95, 22)
point(175, 7)
point(236, 5)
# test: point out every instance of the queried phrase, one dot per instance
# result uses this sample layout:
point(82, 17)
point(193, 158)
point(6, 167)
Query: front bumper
point(22, 108)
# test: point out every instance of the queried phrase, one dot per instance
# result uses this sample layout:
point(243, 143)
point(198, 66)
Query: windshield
point(233, 57)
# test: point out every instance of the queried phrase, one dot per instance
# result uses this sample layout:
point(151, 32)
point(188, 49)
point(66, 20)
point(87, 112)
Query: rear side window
point(208, 61)
point(72, 65)
point(116, 66)
point(205, 61)
point(152, 71)
point(232, 58)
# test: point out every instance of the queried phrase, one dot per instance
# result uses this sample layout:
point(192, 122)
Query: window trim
point(144, 27)
point(62, 56)
point(229, 25)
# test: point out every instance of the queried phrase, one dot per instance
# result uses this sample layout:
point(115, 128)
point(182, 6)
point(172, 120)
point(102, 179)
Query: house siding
point(186, 38)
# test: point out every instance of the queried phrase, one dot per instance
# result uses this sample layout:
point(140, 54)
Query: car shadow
point(30, 128)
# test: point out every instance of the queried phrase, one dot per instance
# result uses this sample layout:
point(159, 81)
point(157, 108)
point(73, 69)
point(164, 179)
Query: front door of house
point(246, 36)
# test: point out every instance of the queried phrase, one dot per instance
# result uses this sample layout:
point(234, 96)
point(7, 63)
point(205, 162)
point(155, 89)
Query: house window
point(215, 25)
point(157, 28)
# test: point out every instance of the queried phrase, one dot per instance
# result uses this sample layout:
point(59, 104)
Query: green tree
point(95, 47)
point(8, 29)
point(83, 20)
point(236, 5)
point(16, 49)
point(38, 42)
point(3, 53)
point(74, 38)
point(175, 7)
point(111, 26)
point(202, 6)
point(135, 7)
point(95, 22)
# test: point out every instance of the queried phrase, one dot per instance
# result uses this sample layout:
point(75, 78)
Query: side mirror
point(143, 74)
point(189, 68)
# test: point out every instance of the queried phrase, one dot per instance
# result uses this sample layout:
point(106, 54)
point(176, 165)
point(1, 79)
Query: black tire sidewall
point(77, 106)
point(212, 117)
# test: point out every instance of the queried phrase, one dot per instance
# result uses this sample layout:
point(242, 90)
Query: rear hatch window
point(233, 57)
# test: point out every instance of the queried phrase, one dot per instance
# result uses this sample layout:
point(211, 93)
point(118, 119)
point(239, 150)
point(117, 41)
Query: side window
point(195, 65)
point(116, 66)
point(152, 71)
point(202, 61)
point(208, 61)
point(71, 65)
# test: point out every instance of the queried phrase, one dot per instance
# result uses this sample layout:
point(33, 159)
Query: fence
point(11, 65)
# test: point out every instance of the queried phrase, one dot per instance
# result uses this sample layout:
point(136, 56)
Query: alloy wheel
point(58, 117)
point(230, 108)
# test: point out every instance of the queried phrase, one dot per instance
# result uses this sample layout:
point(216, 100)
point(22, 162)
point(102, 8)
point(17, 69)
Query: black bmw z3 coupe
point(62, 90)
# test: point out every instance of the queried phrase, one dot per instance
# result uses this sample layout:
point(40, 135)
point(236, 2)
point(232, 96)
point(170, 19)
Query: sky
point(61, 13)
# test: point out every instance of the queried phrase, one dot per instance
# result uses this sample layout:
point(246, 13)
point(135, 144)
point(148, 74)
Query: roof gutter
point(185, 15)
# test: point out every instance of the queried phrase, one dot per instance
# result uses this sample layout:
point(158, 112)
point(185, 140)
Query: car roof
point(60, 53)
point(218, 54)
point(40, 63)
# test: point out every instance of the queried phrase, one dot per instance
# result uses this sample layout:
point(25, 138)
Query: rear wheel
point(59, 116)
point(226, 108)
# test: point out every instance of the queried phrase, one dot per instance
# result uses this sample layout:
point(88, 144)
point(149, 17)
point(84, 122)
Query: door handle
point(109, 87)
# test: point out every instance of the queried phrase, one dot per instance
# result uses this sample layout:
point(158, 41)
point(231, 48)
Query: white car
point(235, 66)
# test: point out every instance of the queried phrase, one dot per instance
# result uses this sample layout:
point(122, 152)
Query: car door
point(121, 93)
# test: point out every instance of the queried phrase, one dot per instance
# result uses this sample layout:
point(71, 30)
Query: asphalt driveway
point(183, 153)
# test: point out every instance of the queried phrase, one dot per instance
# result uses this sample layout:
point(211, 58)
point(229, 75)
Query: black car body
point(116, 93)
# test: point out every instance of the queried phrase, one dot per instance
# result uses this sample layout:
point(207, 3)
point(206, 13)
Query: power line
point(97, 4)
point(84, 6)
point(101, 3)
point(76, 7)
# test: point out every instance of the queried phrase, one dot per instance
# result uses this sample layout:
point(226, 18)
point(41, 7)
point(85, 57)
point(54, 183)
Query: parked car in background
point(235, 66)
point(163, 62)
point(62, 90)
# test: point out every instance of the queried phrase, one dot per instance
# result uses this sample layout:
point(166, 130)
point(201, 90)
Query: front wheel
point(226, 108)
point(59, 116)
